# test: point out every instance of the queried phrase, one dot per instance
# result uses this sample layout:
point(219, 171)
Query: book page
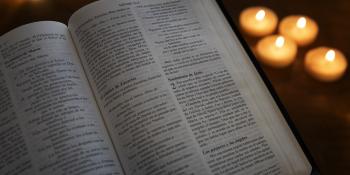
point(14, 156)
point(146, 124)
point(49, 122)
point(174, 99)
point(270, 119)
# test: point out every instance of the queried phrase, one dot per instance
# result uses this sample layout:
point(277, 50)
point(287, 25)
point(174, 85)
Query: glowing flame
point(279, 42)
point(301, 23)
point(330, 55)
point(260, 15)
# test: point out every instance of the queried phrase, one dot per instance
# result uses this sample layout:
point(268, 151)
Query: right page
point(178, 92)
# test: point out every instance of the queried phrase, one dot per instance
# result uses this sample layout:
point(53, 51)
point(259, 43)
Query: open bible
point(141, 87)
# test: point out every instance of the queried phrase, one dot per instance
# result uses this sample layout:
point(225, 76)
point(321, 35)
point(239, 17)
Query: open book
point(139, 87)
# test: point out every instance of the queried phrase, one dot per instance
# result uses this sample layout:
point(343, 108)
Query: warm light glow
point(301, 23)
point(24, 1)
point(279, 42)
point(260, 15)
point(330, 55)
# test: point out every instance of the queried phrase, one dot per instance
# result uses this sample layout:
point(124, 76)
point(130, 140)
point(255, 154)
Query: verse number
point(173, 86)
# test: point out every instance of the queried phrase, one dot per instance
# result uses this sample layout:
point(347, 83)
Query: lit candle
point(258, 21)
point(302, 29)
point(325, 64)
point(276, 51)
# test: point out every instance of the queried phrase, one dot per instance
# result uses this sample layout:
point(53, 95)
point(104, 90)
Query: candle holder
point(276, 51)
point(325, 64)
point(302, 29)
point(258, 21)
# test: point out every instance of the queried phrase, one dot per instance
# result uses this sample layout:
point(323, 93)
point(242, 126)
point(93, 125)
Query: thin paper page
point(224, 124)
point(14, 155)
point(145, 122)
point(57, 122)
point(164, 78)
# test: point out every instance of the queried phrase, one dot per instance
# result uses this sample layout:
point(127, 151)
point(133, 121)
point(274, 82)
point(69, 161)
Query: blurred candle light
point(330, 55)
point(279, 41)
point(258, 21)
point(301, 23)
point(260, 15)
point(276, 51)
point(325, 64)
point(302, 29)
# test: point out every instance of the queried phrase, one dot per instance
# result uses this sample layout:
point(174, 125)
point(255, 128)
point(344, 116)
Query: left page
point(49, 122)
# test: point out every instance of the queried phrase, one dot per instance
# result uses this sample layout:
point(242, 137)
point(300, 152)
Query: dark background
point(320, 111)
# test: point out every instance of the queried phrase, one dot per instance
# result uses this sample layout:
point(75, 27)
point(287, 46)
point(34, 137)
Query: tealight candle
point(325, 64)
point(276, 51)
point(258, 21)
point(302, 29)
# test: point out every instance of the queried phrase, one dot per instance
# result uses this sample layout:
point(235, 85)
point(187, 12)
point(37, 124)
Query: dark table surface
point(320, 111)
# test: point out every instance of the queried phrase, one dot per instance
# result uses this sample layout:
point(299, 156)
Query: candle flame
point(301, 23)
point(279, 41)
point(260, 15)
point(330, 55)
